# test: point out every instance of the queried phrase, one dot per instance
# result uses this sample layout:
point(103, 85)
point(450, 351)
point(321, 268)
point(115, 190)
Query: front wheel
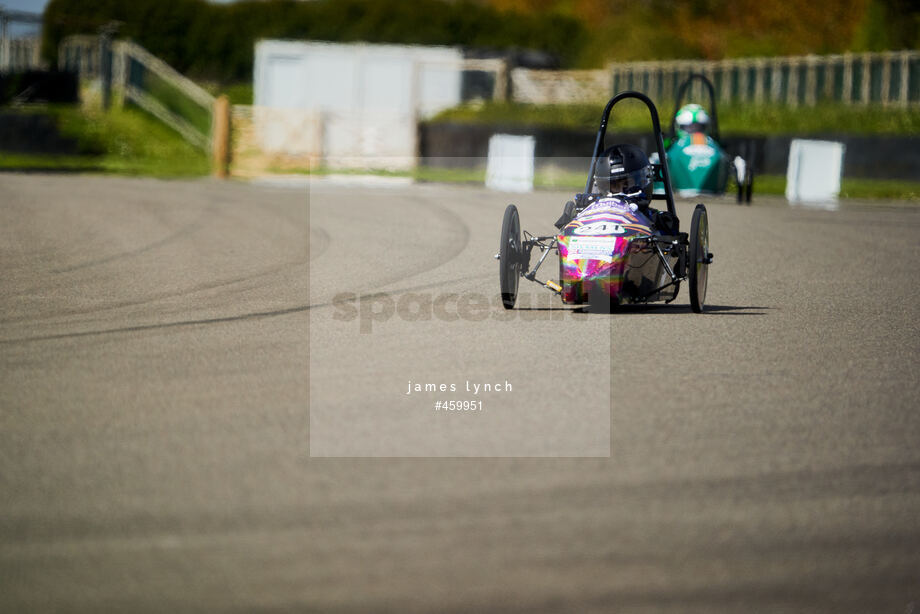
point(510, 258)
point(699, 258)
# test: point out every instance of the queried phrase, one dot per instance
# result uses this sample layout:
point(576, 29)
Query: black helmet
point(624, 169)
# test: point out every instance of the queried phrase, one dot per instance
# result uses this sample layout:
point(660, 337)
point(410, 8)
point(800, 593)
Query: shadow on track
point(734, 310)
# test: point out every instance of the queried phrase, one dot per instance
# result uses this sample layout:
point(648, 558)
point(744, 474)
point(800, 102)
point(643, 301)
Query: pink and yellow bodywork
point(599, 253)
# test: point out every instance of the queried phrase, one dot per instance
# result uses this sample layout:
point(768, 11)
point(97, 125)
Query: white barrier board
point(510, 165)
point(814, 171)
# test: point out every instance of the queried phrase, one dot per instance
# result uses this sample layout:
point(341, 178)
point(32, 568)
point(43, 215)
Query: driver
point(691, 118)
point(625, 170)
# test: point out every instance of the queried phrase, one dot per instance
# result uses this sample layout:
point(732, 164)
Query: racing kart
point(610, 251)
point(699, 162)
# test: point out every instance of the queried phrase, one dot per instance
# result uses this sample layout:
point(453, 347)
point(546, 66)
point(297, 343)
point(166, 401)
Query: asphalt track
point(162, 345)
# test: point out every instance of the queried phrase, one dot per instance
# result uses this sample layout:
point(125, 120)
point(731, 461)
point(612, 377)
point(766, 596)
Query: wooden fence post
point(830, 77)
point(776, 80)
point(847, 78)
point(885, 94)
point(866, 82)
point(758, 81)
point(709, 72)
point(502, 81)
point(653, 82)
point(811, 80)
point(792, 92)
point(105, 68)
point(904, 92)
point(121, 74)
point(220, 144)
point(742, 68)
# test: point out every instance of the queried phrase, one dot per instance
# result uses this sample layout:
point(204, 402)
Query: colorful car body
point(605, 256)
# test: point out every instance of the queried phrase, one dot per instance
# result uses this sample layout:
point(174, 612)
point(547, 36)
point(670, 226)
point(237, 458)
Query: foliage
point(216, 40)
point(238, 93)
point(626, 30)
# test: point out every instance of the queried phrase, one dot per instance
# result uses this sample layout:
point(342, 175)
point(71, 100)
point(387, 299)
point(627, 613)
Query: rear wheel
point(750, 178)
point(749, 189)
point(746, 187)
point(744, 172)
point(699, 258)
point(510, 256)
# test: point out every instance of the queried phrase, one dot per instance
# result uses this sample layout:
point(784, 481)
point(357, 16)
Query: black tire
point(739, 179)
point(750, 178)
point(510, 256)
point(698, 258)
point(749, 189)
point(746, 183)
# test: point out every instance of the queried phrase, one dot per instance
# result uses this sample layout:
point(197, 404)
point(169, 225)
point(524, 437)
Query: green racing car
point(698, 161)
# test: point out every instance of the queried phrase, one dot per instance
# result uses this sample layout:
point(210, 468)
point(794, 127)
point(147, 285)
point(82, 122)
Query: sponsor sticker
point(594, 248)
point(699, 150)
point(700, 156)
point(611, 203)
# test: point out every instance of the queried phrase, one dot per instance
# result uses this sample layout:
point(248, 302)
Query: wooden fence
point(890, 78)
point(139, 77)
point(21, 54)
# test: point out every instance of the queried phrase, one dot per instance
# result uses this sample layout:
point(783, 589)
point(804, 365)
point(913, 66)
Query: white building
point(351, 104)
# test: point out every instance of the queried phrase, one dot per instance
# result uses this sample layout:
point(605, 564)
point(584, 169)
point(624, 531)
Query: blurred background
point(247, 88)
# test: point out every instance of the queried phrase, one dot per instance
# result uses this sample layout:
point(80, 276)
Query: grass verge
point(125, 142)
point(888, 189)
point(552, 178)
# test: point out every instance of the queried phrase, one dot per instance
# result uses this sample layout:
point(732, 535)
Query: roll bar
point(659, 142)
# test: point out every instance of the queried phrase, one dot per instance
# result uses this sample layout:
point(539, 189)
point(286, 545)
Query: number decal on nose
point(600, 228)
